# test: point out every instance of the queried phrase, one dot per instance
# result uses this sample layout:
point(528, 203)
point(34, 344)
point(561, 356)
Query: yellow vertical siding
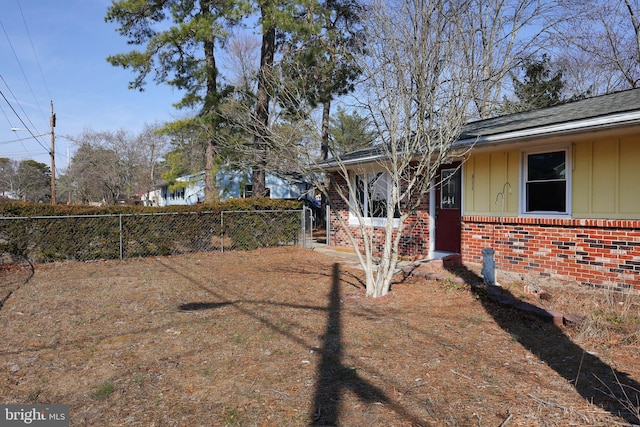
point(476, 183)
point(582, 186)
point(486, 176)
point(469, 183)
point(605, 180)
point(629, 199)
point(604, 167)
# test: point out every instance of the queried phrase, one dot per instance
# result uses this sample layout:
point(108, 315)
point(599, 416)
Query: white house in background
point(152, 198)
point(9, 195)
point(231, 184)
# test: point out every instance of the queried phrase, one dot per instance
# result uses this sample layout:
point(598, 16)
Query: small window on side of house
point(546, 183)
point(373, 194)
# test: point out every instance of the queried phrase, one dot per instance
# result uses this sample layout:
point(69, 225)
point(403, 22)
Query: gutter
point(335, 163)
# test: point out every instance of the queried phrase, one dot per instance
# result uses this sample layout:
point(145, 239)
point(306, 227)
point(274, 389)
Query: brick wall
point(599, 253)
point(593, 252)
point(414, 243)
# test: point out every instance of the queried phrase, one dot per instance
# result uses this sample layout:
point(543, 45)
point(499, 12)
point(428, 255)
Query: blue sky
point(56, 51)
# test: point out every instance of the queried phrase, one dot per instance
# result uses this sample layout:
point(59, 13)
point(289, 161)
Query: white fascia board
point(597, 123)
point(335, 164)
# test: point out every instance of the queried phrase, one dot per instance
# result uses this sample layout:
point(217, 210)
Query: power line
point(11, 141)
point(34, 52)
point(20, 140)
point(15, 55)
point(20, 118)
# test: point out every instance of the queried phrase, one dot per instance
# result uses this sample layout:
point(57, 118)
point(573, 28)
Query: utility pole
point(52, 122)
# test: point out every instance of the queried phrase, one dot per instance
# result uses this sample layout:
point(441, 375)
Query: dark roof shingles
point(578, 110)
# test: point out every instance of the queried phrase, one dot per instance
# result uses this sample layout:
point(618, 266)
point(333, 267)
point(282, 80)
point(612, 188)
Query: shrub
point(46, 233)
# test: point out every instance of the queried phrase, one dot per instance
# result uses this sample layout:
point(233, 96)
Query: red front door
point(448, 208)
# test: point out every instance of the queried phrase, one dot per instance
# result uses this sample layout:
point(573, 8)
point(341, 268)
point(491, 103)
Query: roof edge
point(589, 124)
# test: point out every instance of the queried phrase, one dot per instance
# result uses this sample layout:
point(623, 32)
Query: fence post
point(121, 237)
point(304, 226)
point(327, 224)
point(221, 231)
point(312, 226)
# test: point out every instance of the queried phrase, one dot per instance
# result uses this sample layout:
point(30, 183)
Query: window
point(248, 191)
point(177, 194)
point(450, 190)
point(545, 184)
point(372, 193)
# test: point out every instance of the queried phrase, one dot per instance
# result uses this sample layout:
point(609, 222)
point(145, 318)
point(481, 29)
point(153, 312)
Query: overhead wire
point(15, 55)
point(44, 80)
point(35, 54)
point(31, 126)
point(11, 141)
point(18, 116)
point(26, 150)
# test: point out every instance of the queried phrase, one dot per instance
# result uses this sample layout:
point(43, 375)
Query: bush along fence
point(41, 239)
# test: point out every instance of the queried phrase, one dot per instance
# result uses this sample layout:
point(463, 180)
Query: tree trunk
point(326, 110)
point(210, 114)
point(210, 193)
point(265, 77)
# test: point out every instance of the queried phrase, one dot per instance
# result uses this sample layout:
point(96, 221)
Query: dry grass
point(285, 337)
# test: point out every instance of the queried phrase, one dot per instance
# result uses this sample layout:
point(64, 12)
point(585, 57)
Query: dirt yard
point(285, 337)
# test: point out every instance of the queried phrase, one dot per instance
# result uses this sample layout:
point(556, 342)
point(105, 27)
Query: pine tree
point(179, 41)
point(538, 89)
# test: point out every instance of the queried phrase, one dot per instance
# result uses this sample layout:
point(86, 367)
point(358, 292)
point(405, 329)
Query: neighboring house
point(9, 195)
point(186, 190)
point(152, 198)
point(555, 192)
point(231, 184)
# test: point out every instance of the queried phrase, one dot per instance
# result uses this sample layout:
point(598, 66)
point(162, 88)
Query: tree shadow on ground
point(196, 306)
point(334, 378)
point(596, 381)
point(14, 275)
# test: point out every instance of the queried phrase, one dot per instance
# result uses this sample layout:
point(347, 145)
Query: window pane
point(360, 194)
point(547, 196)
point(546, 166)
point(378, 209)
point(371, 195)
point(377, 195)
point(450, 189)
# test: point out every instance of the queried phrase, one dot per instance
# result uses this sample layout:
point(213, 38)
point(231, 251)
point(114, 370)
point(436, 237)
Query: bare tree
point(111, 165)
point(598, 43)
point(502, 33)
point(153, 146)
point(8, 176)
point(242, 59)
point(416, 92)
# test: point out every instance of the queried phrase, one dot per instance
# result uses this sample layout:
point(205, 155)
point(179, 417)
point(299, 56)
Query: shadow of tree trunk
point(596, 381)
point(17, 274)
point(334, 377)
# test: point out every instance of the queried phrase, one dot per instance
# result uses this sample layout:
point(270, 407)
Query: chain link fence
point(96, 237)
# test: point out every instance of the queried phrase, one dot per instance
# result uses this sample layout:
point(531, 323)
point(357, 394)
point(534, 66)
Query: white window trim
point(523, 182)
point(368, 221)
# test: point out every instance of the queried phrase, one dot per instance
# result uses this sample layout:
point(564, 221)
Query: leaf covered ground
point(285, 337)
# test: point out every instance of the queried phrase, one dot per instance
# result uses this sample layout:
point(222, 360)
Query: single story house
point(555, 192)
point(231, 184)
